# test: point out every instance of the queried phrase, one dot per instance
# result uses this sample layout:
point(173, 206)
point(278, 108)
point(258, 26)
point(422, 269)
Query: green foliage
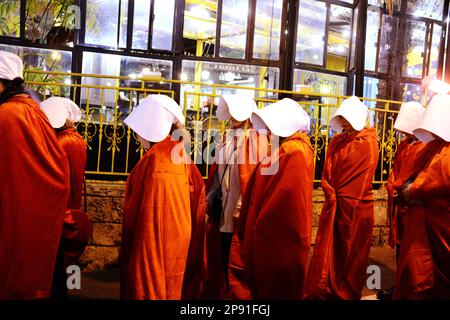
point(10, 18)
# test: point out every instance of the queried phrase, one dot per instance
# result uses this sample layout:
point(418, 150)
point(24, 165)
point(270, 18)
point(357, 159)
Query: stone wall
point(105, 204)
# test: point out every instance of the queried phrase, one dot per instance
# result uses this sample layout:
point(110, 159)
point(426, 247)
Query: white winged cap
point(58, 110)
point(153, 118)
point(282, 118)
point(238, 106)
point(354, 111)
point(435, 120)
point(409, 117)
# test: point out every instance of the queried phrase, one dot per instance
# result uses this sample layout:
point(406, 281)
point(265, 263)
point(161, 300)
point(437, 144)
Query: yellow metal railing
point(114, 149)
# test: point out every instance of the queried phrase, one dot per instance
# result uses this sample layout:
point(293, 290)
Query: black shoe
point(385, 294)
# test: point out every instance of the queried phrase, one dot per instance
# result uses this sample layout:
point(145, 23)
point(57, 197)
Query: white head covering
point(436, 119)
point(409, 117)
point(11, 66)
point(238, 106)
point(59, 110)
point(152, 119)
point(354, 111)
point(282, 118)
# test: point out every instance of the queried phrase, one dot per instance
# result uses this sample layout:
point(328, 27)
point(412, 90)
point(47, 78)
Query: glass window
point(266, 43)
point(354, 31)
point(388, 42)
point(164, 12)
point(414, 49)
point(117, 65)
point(141, 23)
point(49, 21)
point(370, 90)
point(123, 24)
point(233, 31)
point(199, 33)
point(10, 18)
point(225, 73)
point(435, 46)
point(339, 38)
point(426, 8)
point(311, 28)
point(373, 26)
point(44, 60)
point(411, 92)
point(381, 3)
point(102, 22)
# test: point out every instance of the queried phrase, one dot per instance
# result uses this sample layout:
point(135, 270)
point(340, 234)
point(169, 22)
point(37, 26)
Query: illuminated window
point(102, 22)
point(411, 92)
point(435, 47)
point(199, 33)
point(373, 25)
point(413, 57)
point(426, 8)
point(233, 30)
point(311, 28)
point(339, 38)
point(266, 43)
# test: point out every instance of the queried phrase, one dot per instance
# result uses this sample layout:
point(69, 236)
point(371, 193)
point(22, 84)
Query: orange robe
point(34, 188)
point(215, 285)
point(338, 266)
point(276, 221)
point(75, 228)
point(156, 231)
point(194, 274)
point(401, 172)
point(424, 264)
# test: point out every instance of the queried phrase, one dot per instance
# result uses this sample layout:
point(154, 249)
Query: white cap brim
point(409, 117)
point(354, 111)
point(237, 106)
point(58, 110)
point(435, 120)
point(283, 118)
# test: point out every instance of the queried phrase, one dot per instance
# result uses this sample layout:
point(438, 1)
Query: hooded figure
point(276, 215)
point(63, 113)
point(407, 121)
point(234, 161)
point(423, 270)
point(34, 189)
point(338, 266)
point(163, 224)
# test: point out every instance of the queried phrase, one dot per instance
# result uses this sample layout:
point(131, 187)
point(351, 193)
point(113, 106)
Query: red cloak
point(338, 266)
point(34, 188)
point(77, 227)
point(156, 231)
point(401, 171)
point(276, 221)
point(424, 264)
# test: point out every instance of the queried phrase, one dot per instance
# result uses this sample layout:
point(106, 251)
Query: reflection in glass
point(411, 92)
point(141, 23)
point(117, 65)
point(435, 46)
point(224, 73)
point(233, 36)
point(101, 22)
point(414, 49)
point(311, 32)
point(373, 26)
point(266, 43)
point(354, 30)
point(123, 23)
point(370, 90)
point(388, 41)
point(339, 38)
point(199, 32)
point(10, 18)
point(163, 24)
point(426, 8)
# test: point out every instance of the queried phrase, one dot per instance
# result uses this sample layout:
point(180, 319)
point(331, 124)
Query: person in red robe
point(233, 164)
point(63, 113)
point(276, 216)
point(338, 266)
point(423, 270)
point(34, 189)
point(157, 239)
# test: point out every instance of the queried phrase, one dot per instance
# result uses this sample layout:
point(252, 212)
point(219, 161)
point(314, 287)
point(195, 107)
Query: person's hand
point(406, 192)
